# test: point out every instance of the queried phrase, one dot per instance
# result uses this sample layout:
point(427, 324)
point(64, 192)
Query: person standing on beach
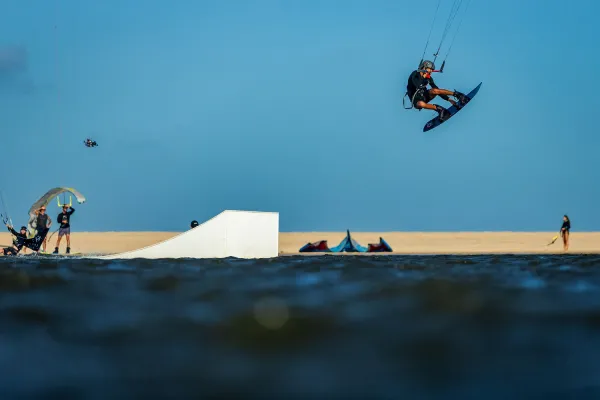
point(564, 231)
point(43, 223)
point(64, 219)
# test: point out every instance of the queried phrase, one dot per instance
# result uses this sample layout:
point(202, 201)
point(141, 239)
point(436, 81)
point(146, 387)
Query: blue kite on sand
point(347, 245)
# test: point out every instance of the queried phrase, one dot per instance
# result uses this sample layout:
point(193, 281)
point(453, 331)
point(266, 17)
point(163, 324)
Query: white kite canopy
point(46, 198)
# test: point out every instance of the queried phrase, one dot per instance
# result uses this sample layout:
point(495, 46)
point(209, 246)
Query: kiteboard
point(452, 110)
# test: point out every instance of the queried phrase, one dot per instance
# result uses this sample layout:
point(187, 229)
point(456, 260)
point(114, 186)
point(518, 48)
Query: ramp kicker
point(232, 233)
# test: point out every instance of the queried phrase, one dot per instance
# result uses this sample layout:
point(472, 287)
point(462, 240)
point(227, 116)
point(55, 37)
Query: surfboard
point(435, 122)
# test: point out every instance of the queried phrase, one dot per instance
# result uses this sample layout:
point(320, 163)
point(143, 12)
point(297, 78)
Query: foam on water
point(470, 327)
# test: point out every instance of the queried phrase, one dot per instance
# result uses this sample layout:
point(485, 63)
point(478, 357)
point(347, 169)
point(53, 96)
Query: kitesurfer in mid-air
point(421, 96)
point(90, 143)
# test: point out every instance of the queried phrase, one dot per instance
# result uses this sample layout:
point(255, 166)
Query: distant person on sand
point(64, 219)
point(564, 231)
point(43, 223)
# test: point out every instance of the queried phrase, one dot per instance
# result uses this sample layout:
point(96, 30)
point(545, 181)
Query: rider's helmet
point(426, 64)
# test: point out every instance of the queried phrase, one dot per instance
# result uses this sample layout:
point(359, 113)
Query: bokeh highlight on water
point(337, 327)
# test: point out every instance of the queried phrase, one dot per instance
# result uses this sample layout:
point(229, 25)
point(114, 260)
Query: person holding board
point(42, 225)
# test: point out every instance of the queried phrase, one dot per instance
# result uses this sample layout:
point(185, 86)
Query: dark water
point(400, 327)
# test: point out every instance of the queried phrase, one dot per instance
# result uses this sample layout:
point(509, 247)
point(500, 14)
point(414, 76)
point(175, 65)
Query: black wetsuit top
point(416, 80)
point(566, 226)
point(65, 218)
point(20, 238)
point(42, 222)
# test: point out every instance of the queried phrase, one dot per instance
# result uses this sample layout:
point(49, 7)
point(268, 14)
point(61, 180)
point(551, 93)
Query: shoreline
point(402, 243)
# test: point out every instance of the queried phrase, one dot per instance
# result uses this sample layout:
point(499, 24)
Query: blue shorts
point(64, 231)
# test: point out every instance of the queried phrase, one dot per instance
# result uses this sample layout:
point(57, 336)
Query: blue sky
point(296, 106)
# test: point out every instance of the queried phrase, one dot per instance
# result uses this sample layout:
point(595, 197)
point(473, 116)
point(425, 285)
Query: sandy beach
point(401, 242)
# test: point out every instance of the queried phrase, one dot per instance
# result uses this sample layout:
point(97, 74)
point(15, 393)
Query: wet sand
point(401, 242)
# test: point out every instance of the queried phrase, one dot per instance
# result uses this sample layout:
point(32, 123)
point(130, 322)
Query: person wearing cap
point(18, 242)
point(420, 96)
point(43, 223)
point(64, 218)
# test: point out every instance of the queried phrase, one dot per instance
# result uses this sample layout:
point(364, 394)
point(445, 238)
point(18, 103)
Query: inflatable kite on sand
point(45, 200)
point(347, 245)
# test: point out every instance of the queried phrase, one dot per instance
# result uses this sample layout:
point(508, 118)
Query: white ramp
point(241, 234)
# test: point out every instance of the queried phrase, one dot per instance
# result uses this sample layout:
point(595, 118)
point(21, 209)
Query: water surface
point(336, 327)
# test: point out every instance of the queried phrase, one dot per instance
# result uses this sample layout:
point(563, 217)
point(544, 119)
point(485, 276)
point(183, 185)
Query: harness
point(412, 100)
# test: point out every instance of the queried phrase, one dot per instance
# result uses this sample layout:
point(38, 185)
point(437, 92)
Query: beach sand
point(453, 242)
point(401, 242)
